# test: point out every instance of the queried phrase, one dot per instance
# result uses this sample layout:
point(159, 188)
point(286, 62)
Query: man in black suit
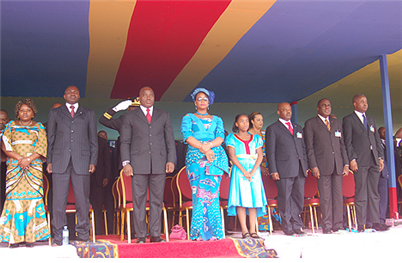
point(366, 160)
point(100, 179)
point(328, 160)
point(148, 153)
point(287, 162)
point(383, 181)
point(72, 155)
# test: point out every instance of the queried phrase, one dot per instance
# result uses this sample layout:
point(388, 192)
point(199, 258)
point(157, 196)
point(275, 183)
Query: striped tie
point(72, 111)
point(328, 124)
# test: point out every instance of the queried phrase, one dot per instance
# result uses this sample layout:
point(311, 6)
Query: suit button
point(71, 140)
point(150, 143)
point(72, 131)
point(149, 152)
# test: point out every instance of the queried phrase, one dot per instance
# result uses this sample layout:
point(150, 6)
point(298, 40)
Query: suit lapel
point(357, 119)
point(322, 124)
point(141, 115)
point(283, 127)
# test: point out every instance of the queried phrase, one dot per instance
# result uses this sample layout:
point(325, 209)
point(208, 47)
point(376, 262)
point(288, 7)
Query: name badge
point(372, 128)
point(338, 134)
point(299, 135)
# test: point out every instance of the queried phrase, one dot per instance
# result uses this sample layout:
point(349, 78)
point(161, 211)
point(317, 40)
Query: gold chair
point(70, 208)
point(348, 190)
point(185, 198)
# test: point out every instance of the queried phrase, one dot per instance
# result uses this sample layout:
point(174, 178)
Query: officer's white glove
point(122, 105)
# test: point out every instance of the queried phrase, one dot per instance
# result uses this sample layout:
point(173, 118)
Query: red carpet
point(111, 247)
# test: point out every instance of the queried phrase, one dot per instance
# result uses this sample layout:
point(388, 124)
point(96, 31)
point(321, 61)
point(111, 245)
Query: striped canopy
point(244, 50)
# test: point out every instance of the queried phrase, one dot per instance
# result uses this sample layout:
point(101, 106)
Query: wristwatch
point(124, 163)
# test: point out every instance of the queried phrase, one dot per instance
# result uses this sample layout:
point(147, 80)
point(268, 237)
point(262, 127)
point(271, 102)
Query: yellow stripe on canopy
point(237, 19)
point(109, 22)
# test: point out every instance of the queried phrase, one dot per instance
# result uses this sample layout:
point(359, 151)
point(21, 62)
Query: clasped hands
point(206, 148)
point(24, 163)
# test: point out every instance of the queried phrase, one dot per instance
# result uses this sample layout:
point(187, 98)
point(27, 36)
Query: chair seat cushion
point(312, 201)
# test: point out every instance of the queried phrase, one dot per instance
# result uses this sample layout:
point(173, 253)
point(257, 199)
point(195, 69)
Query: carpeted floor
point(111, 247)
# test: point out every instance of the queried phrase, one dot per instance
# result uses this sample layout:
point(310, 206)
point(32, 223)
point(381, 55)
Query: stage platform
point(344, 245)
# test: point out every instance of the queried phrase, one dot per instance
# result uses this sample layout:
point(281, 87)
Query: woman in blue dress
point(206, 163)
point(246, 195)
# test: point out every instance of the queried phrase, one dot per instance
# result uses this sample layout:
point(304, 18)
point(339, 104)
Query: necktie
point(365, 121)
point(149, 117)
point(72, 111)
point(290, 127)
point(328, 124)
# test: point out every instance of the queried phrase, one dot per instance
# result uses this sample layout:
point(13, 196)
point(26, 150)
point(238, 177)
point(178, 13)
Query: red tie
point(72, 110)
point(149, 117)
point(290, 127)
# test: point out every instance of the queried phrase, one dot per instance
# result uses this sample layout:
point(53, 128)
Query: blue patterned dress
point(205, 177)
point(242, 192)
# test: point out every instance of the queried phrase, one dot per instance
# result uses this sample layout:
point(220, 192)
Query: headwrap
point(209, 93)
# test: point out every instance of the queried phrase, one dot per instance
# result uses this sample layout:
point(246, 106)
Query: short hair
point(318, 103)
point(3, 110)
point(355, 97)
point(234, 127)
point(27, 102)
point(252, 117)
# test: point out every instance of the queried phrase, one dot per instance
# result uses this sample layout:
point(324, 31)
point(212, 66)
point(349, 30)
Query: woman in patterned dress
point(24, 141)
point(206, 163)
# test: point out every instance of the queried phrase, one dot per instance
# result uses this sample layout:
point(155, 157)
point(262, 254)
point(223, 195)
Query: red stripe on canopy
point(162, 38)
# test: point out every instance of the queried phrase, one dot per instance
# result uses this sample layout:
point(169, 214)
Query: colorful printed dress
point(244, 193)
point(205, 177)
point(24, 218)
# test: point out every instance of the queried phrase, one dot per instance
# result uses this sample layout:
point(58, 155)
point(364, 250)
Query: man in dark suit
point(100, 179)
point(287, 163)
point(148, 153)
point(72, 155)
point(328, 160)
point(383, 181)
point(366, 160)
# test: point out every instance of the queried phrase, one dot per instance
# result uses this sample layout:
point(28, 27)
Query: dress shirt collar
point(75, 106)
point(360, 115)
point(144, 110)
point(323, 119)
point(284, 122)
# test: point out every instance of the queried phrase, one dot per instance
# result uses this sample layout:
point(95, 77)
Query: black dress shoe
point(140, 240)
point(360, 228)
point(380, 227)
point(289, 233)
point(327, 231)
point(56, 243)
point(15, 245)
point(29, 244)
point(157, 239)
point(299, 232)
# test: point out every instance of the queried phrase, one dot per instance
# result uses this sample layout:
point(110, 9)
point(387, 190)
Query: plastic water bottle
point(65, 236)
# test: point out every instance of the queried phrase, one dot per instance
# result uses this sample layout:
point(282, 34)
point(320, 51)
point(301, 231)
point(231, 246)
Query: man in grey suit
point(328, 160)
point(366, 160)
point(287, 163)
point(148, 153)
point(72, 155)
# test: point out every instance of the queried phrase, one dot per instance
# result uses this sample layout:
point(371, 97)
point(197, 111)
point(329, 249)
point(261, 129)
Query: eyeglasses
point(202, 98)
